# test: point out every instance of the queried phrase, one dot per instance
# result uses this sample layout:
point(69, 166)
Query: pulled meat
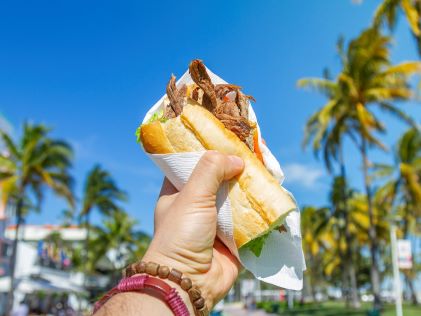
point(223, 89)
point(201, 77)
point(225, 101)
point(176, 97)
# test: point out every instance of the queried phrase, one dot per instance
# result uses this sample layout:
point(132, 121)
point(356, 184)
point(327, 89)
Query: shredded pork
point(225, 101)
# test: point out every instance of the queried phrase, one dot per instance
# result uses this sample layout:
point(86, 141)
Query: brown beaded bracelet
point(173, 275)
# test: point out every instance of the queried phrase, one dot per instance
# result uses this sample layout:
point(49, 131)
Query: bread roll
point(258, 202)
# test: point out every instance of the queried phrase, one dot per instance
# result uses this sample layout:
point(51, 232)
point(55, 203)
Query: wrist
point(198, 279)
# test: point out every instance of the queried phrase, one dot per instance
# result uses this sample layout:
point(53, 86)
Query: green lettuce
point(138, 134)
point(157, 116)
point(256, 245)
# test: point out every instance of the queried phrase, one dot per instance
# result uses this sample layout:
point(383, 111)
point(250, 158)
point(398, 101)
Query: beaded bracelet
point(146, 282)
point(164, 272)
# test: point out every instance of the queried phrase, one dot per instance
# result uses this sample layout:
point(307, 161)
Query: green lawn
point(338, 308)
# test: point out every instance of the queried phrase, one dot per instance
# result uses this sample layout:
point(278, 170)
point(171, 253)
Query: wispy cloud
point(302, 174)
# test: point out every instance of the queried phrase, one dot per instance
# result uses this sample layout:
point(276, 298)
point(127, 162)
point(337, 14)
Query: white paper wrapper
point(282, 260)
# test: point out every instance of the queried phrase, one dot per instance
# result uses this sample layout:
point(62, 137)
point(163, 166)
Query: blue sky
point(91, 69)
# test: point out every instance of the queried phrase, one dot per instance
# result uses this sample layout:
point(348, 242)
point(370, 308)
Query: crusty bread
point(153, 138)
point(257, 200)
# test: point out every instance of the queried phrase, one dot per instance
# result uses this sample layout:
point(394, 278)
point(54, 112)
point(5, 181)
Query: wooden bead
point(194, 294)
point(175, 276)
point(129, 271)
point(199, 303)
point(163, 272)
point(186, 284)
point(202, 312)
point(140, 267)
point(152, 268)
point(125, 272)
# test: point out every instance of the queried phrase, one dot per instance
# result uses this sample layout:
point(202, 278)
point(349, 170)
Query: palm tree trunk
point(345, 283)
point(413, 293)
point(19, 218)
point(374, 270)
point(352, 297)
point(355, 299)
point(311, 280)
point(88, 232)
point(408, 277)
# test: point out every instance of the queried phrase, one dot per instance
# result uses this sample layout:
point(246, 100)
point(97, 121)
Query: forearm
point(134, 304)
point(140, 303)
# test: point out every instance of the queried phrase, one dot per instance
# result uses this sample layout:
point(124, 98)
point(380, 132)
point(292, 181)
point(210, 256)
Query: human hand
point(185, 228)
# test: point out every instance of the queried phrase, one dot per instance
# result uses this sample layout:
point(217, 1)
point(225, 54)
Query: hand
point(185, 228)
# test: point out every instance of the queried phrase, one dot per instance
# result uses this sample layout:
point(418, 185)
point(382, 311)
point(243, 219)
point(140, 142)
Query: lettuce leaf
point(137, 134)
point(157, 116)
point(256, 245)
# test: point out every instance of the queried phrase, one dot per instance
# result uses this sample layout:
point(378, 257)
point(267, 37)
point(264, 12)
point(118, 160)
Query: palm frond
point(396, 112)
point(380, 171)
point(11, 147)
point(405, 68)
point(324, 86)
point(412, 16)
point(386, 12)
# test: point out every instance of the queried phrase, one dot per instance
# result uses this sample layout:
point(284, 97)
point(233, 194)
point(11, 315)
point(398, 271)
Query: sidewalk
point(238, 310)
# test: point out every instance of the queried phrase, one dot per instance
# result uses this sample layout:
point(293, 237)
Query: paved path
point(237, 310)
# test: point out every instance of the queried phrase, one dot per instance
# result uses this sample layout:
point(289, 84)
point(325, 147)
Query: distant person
point(21, 310)
point(185, 240)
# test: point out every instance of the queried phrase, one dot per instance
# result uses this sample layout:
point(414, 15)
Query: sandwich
point(205, 116)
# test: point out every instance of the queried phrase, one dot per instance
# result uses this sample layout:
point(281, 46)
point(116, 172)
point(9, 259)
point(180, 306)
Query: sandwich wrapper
point(281, 261)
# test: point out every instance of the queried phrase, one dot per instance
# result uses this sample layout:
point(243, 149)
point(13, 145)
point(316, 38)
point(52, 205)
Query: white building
point(42, 268)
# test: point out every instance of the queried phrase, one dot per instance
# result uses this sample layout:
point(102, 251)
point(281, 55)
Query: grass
point(338, 308)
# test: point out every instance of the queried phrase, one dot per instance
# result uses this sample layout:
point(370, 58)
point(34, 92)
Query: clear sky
point(91, 69)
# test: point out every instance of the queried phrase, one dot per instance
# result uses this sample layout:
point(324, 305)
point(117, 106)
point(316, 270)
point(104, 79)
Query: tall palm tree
point(100, 193)
point(328, 139)
point(403, 188)
point(27, 168)
point(368, 80)
point(387, 12)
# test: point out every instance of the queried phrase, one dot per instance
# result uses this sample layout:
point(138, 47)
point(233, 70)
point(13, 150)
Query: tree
point(387, 12)
point(118, 239)
point(367, 80)
point(328, 138)
point(27, 168)
point(403, 188)
point(100, 193)
point(311, 219)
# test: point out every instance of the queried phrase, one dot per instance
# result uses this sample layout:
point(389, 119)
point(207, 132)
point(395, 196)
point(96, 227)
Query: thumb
point(210, 171)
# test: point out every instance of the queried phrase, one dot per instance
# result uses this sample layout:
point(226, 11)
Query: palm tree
point(403, 188)
point(100, 193)
point(367, 79)
point(116, 237)
point(27, 168)
point(328, 138)
point(311, 219)
point(387, 12)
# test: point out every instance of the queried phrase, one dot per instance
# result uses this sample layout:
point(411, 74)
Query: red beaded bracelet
point(141, 282)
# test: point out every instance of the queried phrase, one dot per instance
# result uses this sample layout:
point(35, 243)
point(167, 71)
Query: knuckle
point(213, 159)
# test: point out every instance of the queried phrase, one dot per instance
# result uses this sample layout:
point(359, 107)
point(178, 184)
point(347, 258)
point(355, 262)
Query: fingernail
point(236, 161)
